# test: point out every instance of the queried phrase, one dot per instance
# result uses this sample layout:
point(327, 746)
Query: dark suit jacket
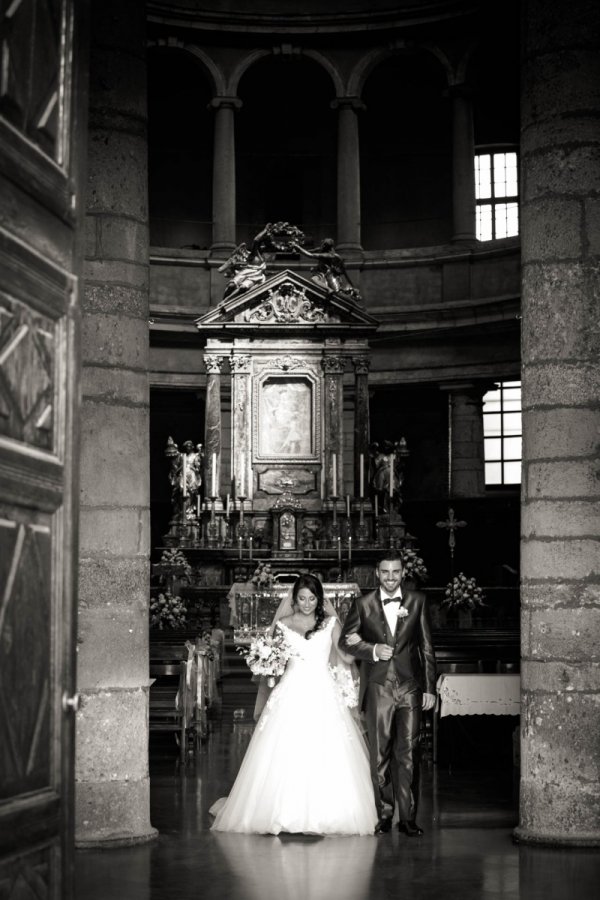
point(413, 659)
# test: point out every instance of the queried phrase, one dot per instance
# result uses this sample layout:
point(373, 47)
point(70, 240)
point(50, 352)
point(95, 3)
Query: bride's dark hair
point(315, 587)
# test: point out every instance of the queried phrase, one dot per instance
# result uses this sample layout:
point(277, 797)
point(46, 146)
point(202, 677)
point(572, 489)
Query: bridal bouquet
point(346, 686)
point(267, 656)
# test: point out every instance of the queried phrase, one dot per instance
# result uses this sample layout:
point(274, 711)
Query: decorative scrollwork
point(213, 364)
point(241, 365)
point(288, 362)
point(333, 365)
point(287, 501)
point(288, 303)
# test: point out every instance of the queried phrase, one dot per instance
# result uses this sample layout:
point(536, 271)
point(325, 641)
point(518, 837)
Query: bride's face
point(306, 601)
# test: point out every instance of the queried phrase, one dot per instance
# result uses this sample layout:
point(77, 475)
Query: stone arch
point(216, 77)
point(371, 60)
point(323, 61)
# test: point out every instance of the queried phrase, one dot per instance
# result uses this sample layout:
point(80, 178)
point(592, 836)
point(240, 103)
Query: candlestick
point(361, 493)
point(392, 461)
point(334, 474)
point(214, 475)
point(348, 505)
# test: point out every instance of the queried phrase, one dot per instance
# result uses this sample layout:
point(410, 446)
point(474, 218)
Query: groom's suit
point(391, 693)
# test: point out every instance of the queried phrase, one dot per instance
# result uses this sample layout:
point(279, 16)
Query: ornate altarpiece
point(286, 347)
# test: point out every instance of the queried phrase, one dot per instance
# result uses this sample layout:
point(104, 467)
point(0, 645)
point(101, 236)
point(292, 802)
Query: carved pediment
point(286, 299)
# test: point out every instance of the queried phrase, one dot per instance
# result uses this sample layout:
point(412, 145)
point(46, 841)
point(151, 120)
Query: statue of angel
point(185, 478)
point(246, 267)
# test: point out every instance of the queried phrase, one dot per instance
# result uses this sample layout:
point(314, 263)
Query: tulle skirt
point(306, 768)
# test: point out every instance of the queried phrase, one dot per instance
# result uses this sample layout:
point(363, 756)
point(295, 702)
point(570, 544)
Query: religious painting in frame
point(286, 419)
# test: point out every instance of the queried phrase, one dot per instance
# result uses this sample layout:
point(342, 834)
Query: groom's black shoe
point(410, 828)
point(383, 826)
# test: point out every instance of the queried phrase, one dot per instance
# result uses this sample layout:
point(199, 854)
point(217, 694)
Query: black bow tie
point(391, 599)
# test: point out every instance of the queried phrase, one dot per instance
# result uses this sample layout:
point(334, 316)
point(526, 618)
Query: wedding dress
point(306, 768)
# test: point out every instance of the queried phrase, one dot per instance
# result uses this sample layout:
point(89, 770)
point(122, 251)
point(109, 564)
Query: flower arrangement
point(263, 576)
point(463, 592)
point(176, 560)
point(413, 566)
point(346, 686)
point(167, 611)
point(267, 655)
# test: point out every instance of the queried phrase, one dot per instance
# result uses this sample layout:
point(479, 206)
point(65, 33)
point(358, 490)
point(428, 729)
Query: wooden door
point(42, 142)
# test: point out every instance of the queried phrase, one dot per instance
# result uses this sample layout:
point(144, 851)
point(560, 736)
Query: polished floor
point(466, 852)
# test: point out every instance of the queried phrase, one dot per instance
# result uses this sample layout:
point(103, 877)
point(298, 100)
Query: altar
point(252, 610)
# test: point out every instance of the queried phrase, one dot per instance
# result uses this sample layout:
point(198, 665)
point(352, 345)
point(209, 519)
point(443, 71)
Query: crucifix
point(451, 525)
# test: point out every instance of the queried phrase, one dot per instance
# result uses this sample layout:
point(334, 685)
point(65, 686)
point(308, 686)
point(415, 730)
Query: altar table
point(476, 694)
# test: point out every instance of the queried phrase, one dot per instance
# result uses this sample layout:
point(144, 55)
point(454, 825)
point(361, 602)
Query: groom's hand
point(384, 651)
point(428, 701)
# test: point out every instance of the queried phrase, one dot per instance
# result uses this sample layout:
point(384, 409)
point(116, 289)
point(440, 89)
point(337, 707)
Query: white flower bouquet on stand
point(267, 656)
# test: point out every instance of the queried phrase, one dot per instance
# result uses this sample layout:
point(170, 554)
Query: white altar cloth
point(478, 694)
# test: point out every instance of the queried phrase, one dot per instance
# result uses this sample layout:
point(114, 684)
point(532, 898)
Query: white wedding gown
point(306, 768)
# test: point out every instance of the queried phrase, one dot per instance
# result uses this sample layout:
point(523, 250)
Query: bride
point(306, 768)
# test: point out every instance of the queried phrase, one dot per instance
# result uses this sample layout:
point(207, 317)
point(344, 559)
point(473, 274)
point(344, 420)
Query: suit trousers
point(393, 720)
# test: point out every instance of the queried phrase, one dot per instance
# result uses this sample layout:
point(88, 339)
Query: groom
point(388, 631)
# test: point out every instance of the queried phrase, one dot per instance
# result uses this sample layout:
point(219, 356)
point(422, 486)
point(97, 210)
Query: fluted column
point(112, 795)
point(241, 424)
point(333, 367)
point(224, 196)
point(212, 423)
point(348, 174)
point(560, 549)
point(463, 165)
point(361, 419)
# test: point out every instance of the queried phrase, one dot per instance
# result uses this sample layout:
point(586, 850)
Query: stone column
point(333, 438)
point(224, 197)
point(241, 424)
point(112, 782)
point(348, 174)
point(466, 451)
point(361, 421)
point(560, 594)
point(463, 165)
point(212, 427)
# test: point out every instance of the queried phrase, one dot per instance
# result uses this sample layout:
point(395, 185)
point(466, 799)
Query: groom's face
point(389, 573)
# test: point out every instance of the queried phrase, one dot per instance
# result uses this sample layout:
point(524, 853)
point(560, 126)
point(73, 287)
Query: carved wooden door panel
point(42, 141)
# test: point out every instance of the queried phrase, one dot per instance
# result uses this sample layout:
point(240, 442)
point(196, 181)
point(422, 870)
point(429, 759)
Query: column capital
point(354, 103)
point(221, 102)
point(362, 364)
point(213, 363)
point(333, 365)
point(240, 365)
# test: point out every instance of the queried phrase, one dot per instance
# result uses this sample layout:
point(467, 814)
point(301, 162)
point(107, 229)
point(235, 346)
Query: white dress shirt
point(391, 613)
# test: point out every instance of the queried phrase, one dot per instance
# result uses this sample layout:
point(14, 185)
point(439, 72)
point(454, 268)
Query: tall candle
point(198, 505)
point(184, 473)
point(392, 461)
point(242, 473)
point(339, 543)
point(348, 505)
point(227, 507)
point(334, 474)
point(361, 493)
point(376, 505)
point(214, 475)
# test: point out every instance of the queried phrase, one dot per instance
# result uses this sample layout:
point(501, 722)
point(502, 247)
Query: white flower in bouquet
point(346, 686)
point(463, 592)
point(167, 611)
point(263, 576)
point(267, 655)
point(413, 566)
